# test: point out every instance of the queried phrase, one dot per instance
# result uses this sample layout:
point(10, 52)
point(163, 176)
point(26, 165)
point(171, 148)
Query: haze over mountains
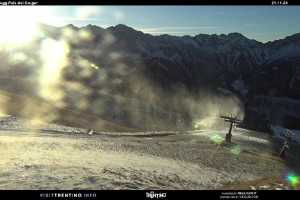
point(164, 81)
point(199, 60)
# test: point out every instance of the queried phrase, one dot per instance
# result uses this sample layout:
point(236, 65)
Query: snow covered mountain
point(122, 70)
point(200, 60)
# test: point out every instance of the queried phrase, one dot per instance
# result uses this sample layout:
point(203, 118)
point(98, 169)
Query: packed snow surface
point(145, 160)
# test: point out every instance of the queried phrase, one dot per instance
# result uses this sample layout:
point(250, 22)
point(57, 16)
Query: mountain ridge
point(133, 77)
point(192, 59)
point(123, 26)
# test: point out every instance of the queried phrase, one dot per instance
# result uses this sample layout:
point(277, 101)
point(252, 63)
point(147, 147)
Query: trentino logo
point(156, 195)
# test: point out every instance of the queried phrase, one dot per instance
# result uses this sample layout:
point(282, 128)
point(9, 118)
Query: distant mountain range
point(232, 61)
point(141, 69)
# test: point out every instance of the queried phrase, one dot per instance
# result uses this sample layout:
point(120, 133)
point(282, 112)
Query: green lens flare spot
point(236, 150)
point(293, 180)
point(217, 139)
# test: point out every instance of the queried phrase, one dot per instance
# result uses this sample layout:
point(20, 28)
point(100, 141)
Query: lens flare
point(94, 66)
point(236, 150)
point(293, 180)
point(217, 139)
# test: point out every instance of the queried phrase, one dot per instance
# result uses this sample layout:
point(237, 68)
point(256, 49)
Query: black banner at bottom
point(142, 194)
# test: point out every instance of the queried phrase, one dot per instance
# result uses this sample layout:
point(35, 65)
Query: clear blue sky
point(263, 23)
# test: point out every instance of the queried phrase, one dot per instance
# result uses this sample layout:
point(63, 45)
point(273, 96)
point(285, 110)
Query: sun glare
point(19, 24)
point(54, 56)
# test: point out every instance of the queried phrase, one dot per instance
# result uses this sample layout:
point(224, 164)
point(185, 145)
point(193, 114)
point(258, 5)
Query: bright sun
point(19, 24)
